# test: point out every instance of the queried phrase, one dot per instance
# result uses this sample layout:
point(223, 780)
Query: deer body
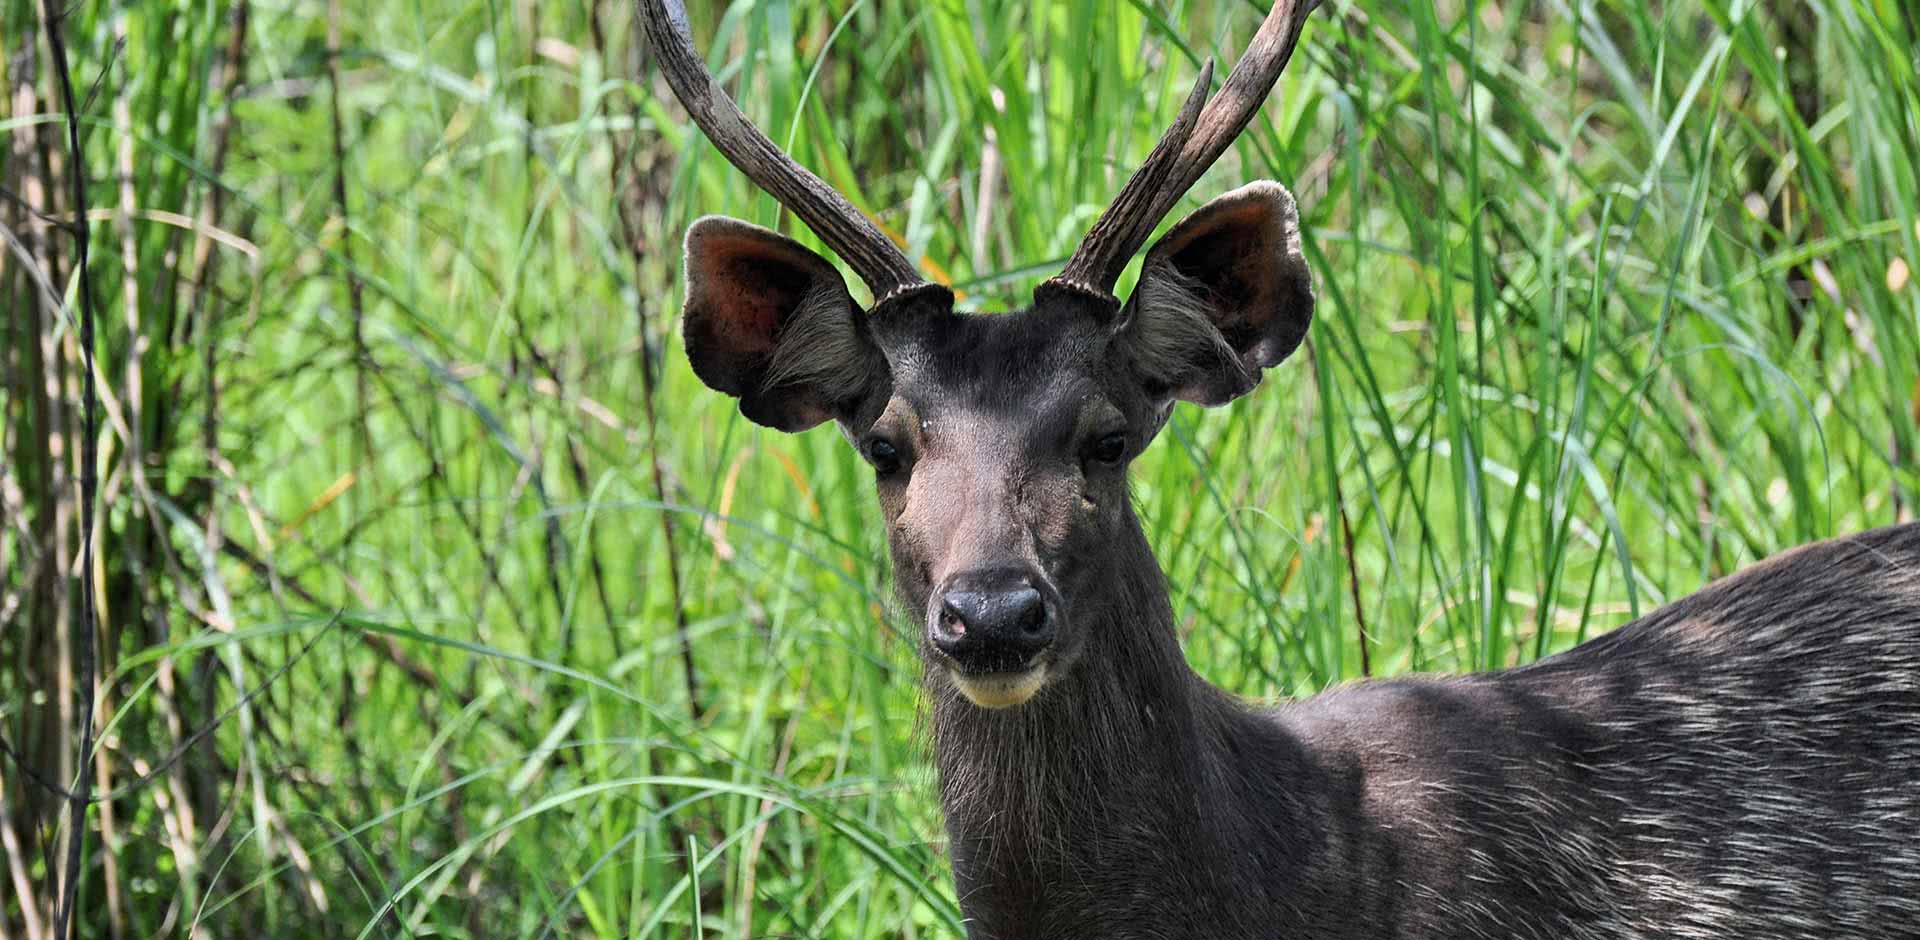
point(1744, 763)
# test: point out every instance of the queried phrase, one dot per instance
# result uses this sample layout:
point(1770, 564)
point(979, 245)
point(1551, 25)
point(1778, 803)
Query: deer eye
point(884, 456)
point(1108, 448)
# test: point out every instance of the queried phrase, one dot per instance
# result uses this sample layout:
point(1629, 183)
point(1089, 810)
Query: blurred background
point(435, 596)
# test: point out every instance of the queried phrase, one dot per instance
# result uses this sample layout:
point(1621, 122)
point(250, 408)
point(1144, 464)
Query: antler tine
point(1123, 227)
point(1184, 153)
point(1246, 88)
point(884, 268)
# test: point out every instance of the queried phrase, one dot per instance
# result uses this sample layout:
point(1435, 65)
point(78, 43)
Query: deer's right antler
point(851, 235)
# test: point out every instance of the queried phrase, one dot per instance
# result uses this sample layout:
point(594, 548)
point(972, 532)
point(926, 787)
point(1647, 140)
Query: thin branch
point(1353, 580)
point(89, 482)
point(627, 190)
point(1346, 535)
point(355, 300)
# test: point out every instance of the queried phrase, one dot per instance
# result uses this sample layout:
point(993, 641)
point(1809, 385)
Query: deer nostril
point(951, 620)
point(1032, 616)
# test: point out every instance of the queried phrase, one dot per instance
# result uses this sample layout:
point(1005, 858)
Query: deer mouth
point(997, 690)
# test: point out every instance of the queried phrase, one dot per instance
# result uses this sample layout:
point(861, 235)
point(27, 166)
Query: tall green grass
point(1610, 304)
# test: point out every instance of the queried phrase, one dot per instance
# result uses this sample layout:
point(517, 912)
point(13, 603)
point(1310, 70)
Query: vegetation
point(436, 597)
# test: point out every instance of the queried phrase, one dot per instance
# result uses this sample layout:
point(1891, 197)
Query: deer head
point(999, 443)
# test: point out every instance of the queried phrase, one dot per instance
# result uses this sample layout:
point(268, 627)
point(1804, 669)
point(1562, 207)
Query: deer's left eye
point(884, 456)
point(1108, 448)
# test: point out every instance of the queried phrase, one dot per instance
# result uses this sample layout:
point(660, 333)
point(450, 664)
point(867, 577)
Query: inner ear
point(1223, 295)
point(771, 323)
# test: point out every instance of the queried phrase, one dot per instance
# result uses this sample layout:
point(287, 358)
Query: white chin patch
point(1001, 691)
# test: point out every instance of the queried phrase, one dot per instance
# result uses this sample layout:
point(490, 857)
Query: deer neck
point(1108, 779)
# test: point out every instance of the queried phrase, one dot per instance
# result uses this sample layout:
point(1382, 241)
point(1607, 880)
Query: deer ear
point(1223, 295)
point(771, 323)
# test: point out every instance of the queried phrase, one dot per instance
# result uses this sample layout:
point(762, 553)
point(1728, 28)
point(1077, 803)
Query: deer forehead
point(964, 350)
point(1002, 377)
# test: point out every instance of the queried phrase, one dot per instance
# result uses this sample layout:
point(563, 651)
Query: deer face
point(999, 443)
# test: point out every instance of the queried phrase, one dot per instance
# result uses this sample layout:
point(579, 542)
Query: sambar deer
point(1744, 763)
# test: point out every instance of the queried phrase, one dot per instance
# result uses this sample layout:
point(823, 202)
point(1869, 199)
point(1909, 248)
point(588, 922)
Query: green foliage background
point(408, 494)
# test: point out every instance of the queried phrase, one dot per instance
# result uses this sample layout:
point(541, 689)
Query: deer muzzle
point(992, 629)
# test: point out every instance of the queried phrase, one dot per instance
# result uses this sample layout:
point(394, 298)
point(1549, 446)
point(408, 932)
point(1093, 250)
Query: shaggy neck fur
point(1740, 763)
point(1083, 812)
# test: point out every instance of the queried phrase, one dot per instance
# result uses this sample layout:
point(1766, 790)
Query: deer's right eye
point(884, 456)
point(1109, 448)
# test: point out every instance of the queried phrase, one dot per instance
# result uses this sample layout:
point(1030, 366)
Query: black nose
point(992, 622)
